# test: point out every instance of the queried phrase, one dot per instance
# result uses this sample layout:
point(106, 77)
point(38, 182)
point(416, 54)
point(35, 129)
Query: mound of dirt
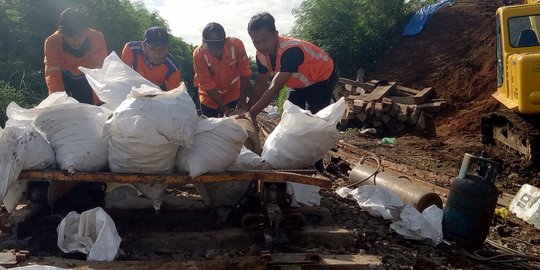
point(454, 54)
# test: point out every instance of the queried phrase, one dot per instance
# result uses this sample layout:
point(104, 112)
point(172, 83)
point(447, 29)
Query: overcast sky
point(187, 18)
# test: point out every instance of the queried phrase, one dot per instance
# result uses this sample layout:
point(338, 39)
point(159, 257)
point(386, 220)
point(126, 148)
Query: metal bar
point(265, 176)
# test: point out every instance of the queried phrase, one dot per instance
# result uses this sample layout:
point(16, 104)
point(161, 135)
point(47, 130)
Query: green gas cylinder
point(472, 199)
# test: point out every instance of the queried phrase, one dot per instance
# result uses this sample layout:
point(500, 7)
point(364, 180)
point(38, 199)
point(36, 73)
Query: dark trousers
point(209, 112)
point(78, 87)
point(316, 97)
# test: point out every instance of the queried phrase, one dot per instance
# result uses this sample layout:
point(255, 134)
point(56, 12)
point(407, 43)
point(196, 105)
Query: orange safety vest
point(317, 65)
point(223, 74)
point(167, 75)
point(57, 59)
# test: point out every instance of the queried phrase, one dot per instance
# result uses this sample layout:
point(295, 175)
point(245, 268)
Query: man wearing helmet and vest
point(297, 64)
point(222, 70)
point(74, 44)
point(151, 59)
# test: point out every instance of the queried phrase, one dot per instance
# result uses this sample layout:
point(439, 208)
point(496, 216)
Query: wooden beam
point(407, 90)
point(265, 176)
point(380, 91)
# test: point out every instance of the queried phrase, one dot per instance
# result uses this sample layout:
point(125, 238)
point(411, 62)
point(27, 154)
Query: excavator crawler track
point(519, 132)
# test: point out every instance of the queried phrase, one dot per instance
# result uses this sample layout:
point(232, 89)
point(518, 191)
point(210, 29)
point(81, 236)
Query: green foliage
point(281, 99)
point(8, 93)
point(25, 24)
point(353, 32)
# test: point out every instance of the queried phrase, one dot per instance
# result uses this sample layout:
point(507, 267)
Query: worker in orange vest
point(74, 44)
point(297, 64)
point(303, 67)
point(151, 59)
point(222, 71)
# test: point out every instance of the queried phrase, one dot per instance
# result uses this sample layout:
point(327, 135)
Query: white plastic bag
point(416, 226)
point(300, 138)
point(114, 81)
point(93, 232)
point(216, 145)
point(75, 132)
point(377, 201)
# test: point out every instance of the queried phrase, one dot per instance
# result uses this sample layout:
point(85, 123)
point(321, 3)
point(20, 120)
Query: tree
point(25, 24)
point(353, 32)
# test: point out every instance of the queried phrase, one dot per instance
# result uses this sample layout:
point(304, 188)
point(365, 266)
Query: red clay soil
point(454, 54)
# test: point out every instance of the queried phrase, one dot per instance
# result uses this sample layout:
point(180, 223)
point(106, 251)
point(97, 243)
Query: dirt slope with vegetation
point(454, 54)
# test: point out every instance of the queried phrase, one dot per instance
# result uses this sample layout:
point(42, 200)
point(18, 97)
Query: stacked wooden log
point(387, 107)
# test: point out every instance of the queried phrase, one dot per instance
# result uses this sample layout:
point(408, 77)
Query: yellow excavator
point(518, 81)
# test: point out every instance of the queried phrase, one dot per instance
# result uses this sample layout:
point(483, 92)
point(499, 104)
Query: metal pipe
point(418, 196)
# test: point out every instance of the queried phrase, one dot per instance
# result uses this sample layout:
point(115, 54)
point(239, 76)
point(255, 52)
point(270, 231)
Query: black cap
point(213, 36)
point(156, 36)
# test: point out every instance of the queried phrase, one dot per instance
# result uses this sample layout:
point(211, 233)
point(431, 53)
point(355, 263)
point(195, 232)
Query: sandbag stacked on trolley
point(147, 129)
point(299, 140)
point(75, 131)
point(113, 82)
point(216, 144)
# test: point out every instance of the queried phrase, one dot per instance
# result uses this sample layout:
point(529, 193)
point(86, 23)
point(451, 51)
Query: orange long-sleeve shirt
point(222, 74)
point(56, 59)
point(167, 75)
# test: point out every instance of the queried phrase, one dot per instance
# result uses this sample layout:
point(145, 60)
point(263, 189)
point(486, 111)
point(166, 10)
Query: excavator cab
point(518, 81)
point(518, 58)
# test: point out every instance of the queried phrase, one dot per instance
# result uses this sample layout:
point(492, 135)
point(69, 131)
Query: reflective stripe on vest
point(233, 56)
point(300, 80)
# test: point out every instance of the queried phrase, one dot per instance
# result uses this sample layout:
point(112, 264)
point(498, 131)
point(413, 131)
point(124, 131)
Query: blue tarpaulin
point(421, 17)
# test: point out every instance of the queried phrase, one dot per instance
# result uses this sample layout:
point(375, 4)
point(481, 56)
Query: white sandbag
point(42, 155)
point(300, 138)
point(135, 146)
point(147, 128)
point(303, 195)
point(227, 194)
point(126, 197)
point(216, 145)
point(16, 113)
point(155, 192)
point(75, 132)
point(114, 81)
point(93, 232)
point(248, 160)
point(172, 113)
point(15, 195)
point(13, 149)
